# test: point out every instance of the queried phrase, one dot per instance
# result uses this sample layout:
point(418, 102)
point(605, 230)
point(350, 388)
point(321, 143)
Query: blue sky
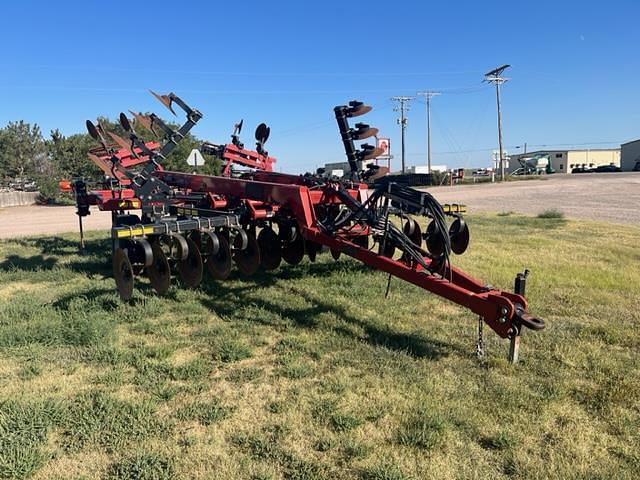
point(574, 77)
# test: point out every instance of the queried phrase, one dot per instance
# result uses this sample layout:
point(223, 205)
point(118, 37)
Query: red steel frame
point(265, 192)
point(249, 158)
point(497, 307)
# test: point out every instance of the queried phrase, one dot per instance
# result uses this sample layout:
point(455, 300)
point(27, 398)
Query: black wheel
point(159, 272)
point(123, 274)
point(248, 260)
point(190, 269)
point(219, 263)
point(270, 249)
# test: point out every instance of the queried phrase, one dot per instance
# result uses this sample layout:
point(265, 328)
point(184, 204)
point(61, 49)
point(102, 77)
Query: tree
point(22, 150)
point(69, 155)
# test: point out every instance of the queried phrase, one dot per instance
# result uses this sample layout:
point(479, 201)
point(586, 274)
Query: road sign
point(195, 158)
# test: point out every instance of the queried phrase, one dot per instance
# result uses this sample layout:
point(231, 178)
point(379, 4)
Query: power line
point(428, 95)
point(403, 108)
point(495, 77)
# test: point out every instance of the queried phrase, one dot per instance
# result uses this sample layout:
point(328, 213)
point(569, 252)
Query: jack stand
point(81, 246)
point(514, 343)
point(514, 349)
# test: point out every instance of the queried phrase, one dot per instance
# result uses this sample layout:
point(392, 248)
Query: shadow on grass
point(53, 253)
point(223, 301)
point(27, 264)
point(223, 297)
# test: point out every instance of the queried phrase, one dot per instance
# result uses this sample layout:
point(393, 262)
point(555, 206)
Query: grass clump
point(146, 466)
point(227, 350)
point(424, 430)
point(343, 422)
point(383, 471)
point(99, 419)
point(502, 441)
point(551, 213)
point(24, 428)
point(204, 413)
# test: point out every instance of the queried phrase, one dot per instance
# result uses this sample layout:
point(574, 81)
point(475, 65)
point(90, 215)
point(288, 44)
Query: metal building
point(630, 156)
point(563, 161)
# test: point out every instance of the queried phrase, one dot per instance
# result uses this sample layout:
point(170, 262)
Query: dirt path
point(609, 197)
point(39, 220)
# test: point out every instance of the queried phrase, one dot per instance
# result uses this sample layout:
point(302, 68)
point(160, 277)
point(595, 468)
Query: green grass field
point(309, 372)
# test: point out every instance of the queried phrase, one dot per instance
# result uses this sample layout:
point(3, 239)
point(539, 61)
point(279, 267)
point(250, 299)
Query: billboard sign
point(385, 145)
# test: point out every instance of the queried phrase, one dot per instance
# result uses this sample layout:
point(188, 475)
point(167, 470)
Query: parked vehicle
point(607, 168)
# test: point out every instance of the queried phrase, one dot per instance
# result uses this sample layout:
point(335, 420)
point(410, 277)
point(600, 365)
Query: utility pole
point(403, 108)
point(428, 95)
point(495, 77)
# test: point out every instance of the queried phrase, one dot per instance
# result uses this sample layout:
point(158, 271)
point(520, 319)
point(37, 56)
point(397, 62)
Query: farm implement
point(192, 225)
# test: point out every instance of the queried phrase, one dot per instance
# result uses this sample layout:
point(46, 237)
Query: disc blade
point(270, 249)
point(159, 272)
point(435, 244)
point(165, 100)
point(219, 264)
point(248, 260)
point(143, 120)
point(93, 131)
point(124, 122)
point(459, 235)
point(293, 252)
point(359, 110)
point(412, 230)
point(190, 269)
point(179, 247)
point(376, 152)
point(366, 133)
point(122, 143)
point(382, 171)
point(123, 274)
point(335, 254)
point(312, 249)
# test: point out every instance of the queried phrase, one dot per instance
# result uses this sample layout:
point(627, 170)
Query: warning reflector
point(195, 158)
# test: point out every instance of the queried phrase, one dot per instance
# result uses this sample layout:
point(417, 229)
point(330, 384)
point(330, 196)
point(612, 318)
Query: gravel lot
point(45, 220)
point(610, 197)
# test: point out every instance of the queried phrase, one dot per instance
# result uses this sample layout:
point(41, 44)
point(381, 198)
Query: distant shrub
point(551, 213)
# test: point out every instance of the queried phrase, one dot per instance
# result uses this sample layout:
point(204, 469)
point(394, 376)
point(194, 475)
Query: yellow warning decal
point(133, 232)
